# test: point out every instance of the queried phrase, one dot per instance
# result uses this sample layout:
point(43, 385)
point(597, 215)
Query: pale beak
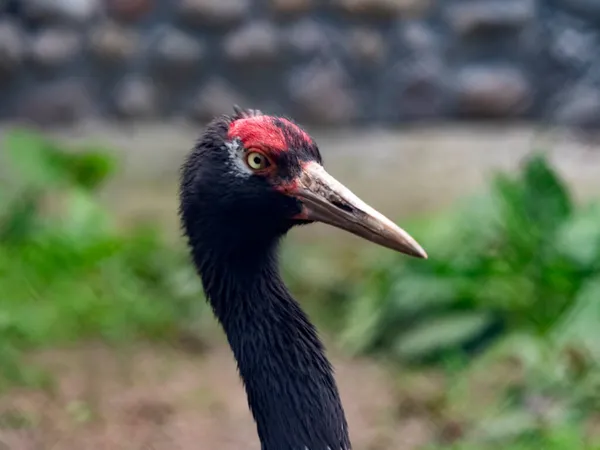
point(327, 200)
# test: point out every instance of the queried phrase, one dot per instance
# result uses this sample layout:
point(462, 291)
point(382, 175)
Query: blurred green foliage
point(561, 438)
point(512, 281)
point(67, 272)
point(522, 258)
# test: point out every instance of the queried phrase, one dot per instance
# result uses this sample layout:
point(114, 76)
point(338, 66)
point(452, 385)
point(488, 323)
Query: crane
point(249, 179)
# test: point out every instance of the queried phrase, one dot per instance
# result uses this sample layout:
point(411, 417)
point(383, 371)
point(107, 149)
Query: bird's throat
point(288, 379)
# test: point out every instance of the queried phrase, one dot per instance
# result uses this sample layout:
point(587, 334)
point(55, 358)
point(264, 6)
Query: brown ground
point(151, 398)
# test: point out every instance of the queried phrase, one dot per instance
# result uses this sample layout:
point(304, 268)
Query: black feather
point(244, 113)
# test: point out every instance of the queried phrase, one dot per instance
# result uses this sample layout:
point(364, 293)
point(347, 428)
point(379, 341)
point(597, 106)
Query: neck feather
point(288, 379)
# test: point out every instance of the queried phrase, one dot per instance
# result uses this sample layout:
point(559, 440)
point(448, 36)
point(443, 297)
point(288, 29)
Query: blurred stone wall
point(323, 62)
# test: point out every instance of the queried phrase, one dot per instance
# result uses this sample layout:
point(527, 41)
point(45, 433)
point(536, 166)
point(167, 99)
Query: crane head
point(260, 175)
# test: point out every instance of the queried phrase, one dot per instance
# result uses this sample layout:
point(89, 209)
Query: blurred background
point(473, 123)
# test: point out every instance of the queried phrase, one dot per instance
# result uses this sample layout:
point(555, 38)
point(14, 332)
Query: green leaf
point(508, 426)
point(30, 156)
point(442, 333)
point(520, 235)
point(463, 235)
point(363, 325)
point(532, 208)
point(547, 200)
point(86, 169)
point(416, 293)
point(43, 163)
point(83, 218)
point(529, 349)
point(18, 221)
point(579, 238)
point(579, 324)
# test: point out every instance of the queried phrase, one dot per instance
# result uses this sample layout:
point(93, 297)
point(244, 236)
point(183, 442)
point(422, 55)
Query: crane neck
point(288, 380)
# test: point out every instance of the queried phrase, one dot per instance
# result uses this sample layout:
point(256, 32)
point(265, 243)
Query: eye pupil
point(257, 161)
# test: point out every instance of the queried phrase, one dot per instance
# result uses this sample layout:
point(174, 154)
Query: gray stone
point(214, 98)
point(136, 97)
point(111, 43)
point(54, 47)
point(475, 16)
point(570, 42)
point(291, 7)
point(589, 9)
point(415, 87)
point(493, 91)
point(129, 10)
point(255, 43)
point(307, 38)
point(379, 58)
point(415, 91)
point(384, 9)
point(12, 47)
point(417, 37)
point(579, 106)
point(72, 11)
point(573, 46)
point(321, 94)
point(178, 53)
point(367, 46)
point(63, 102)
point(210, 13)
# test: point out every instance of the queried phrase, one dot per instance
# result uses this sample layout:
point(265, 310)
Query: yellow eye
point(257, 161)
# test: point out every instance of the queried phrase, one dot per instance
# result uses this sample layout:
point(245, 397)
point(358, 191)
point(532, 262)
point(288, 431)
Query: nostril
point(342, 206)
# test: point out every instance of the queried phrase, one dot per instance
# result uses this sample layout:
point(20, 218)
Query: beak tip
point(412, 247)
point(420, 253)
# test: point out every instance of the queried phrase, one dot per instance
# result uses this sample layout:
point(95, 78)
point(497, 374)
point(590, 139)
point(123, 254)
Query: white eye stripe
point(236, 159)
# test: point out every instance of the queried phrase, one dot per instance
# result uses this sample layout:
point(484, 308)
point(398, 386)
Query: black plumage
point(234, 218)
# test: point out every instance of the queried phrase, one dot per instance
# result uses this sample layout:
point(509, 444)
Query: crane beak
point(327, 200)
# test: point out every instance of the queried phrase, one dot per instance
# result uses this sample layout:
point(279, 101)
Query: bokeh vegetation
point(521, 259)
point(506, 308)
point(67, 270)
point(510, 298)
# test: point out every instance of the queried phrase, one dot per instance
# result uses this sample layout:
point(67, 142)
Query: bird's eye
point(257, 161)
